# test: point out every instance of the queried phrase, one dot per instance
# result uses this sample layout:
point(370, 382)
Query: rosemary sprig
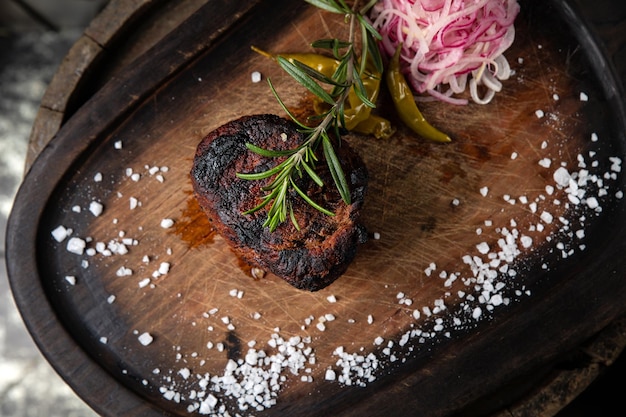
point(333, 91)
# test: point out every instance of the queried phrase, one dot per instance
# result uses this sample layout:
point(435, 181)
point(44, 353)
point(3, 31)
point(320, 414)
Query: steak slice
point(310, 258)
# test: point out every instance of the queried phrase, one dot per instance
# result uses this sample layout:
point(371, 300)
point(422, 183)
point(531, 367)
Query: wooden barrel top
point(126, 29)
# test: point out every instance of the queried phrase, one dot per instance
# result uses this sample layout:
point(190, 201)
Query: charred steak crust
point(309, 259)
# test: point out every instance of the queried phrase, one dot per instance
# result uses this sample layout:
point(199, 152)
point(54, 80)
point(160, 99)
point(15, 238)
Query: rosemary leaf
point(312, 174)
point(310, 201)
point(292, 216)
point(330, 44)
point(317, 75)
point(328, 5)
point(361, 93)
point(269, 153)
point(305, 80)
point(255, 176)
point(336, 170)
point(282, 104)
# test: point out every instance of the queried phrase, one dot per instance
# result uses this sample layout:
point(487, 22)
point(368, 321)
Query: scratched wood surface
point(424, 201)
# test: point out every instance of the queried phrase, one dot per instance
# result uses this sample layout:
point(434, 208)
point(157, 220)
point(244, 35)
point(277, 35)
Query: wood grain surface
point(413, 288)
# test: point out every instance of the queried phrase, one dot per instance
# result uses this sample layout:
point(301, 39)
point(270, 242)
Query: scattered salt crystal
point(592, 202)
point(76, 245)
point(546, 217)
point(96, 208)
point(255, 76)
point(144, 282)
point(97, 177)
point(60, 233)
point(562, 177)
point(331, 299)
point(594, 137)
point(330, 375)
point(555, 97)
point(111, 299)
point(145, 338)
point(376, 236)
point(496, 300)
point(118, 144)
point(539, 114)
point(484, 191)
point(123, 271)
point(514, 155)
point(70, 279)
point(104, 340)
point(133, 202)
point(207, 406)
point(483, 248)
point(476, 313)
point(526, 241)
point(164, 268)
point(616, 164)
point(167, 223)
point(545, 162)
point(583, 96)
point(184, 372)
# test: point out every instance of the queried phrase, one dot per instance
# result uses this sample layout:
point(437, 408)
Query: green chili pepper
point(321, 63)
point(377, 126)
point(405, 103)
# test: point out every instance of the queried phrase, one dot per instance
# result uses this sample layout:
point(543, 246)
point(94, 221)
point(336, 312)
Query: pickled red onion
point(449, 45)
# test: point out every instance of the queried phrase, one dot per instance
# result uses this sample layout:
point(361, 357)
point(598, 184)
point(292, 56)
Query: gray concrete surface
point(32, 45)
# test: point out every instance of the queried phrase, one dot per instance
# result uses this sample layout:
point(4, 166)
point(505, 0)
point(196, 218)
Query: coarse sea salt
point(60, 233)
point(76, 245)
point(167, 223)
point(145, 338)
point(96, 208)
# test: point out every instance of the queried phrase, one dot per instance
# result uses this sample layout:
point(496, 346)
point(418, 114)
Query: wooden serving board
point(464, 288)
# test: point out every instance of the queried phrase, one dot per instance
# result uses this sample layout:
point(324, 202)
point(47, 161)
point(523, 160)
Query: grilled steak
point(310, 258)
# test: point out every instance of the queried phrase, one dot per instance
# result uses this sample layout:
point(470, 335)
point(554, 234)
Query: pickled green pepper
point(405, 103)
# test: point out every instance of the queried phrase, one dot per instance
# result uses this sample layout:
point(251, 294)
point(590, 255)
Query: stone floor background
point(35, 35)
